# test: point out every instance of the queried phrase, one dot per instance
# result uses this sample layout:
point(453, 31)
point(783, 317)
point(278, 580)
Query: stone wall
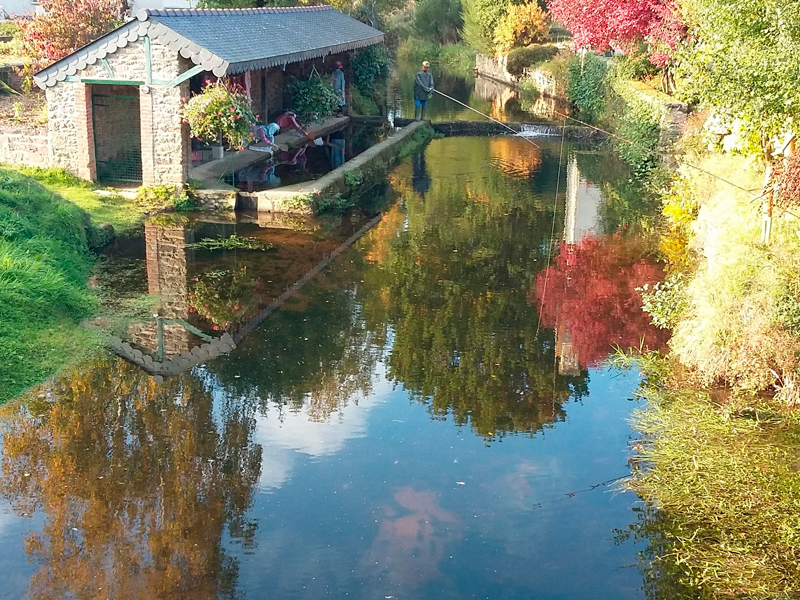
point(164, 138)
point(22, 146)
point(62, 132)
point(488, 66)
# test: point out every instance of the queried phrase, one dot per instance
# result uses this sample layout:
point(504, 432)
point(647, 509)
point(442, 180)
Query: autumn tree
point(66, 25)
point(139, 483)
point(522, 25)
point(602, 24)
point(743, 60)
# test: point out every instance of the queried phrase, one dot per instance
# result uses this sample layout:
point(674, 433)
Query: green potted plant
point(220, 113)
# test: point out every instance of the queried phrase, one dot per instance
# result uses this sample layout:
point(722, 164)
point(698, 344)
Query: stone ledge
point(292, 198)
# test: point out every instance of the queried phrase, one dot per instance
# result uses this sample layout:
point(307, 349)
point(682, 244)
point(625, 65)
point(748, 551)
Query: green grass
point(120, 212)
point(720, 479)
point(44, 265)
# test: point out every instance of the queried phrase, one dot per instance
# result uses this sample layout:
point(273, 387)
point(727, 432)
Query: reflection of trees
point(591, 294)
point(320, 357)
point(660, 568)
point(455, 280)
point(137, 481)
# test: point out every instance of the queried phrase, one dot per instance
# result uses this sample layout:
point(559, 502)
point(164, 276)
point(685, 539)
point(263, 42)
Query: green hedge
point(520, 59)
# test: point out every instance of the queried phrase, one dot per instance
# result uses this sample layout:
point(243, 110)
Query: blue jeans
point(419, 108)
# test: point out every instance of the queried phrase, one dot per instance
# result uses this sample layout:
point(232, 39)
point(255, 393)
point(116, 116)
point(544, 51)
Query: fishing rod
point(514, 131)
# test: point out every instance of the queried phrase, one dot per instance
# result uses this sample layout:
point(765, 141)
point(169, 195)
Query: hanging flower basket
point(220, 112)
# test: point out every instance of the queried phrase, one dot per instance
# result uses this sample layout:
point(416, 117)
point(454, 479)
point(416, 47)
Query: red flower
point(215, 328)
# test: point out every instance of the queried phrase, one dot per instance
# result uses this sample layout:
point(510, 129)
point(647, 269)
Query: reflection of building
point(583, 201)
point(568, 362)
point(166, 277)
point(497, 93)
point(581, 220)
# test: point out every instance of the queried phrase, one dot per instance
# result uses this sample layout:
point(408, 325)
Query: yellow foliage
point(522, 25)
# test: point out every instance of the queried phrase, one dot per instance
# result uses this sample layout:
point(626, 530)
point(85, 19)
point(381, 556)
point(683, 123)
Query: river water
point(430, 417)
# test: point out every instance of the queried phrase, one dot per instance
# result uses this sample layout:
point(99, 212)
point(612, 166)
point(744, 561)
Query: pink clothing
point(288, 121)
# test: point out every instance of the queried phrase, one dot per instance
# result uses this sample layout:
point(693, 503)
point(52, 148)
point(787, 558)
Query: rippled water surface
point(405, 426)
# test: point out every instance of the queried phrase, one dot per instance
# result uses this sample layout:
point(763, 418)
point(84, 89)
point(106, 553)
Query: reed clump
point(720, 479)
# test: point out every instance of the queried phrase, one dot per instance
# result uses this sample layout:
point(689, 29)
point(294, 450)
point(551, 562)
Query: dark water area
point(308, 162)
point(405, 426)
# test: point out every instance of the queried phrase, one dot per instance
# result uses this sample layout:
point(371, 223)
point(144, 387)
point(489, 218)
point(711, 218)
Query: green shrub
point(520, 59)
point(586, 86)
point(638, 123)
point(666, 301)
point(370, 66)
point(363, 105)
point(312, 99)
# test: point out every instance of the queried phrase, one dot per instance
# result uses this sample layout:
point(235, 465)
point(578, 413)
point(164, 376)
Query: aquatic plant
point(233, 242)
point(719, 478)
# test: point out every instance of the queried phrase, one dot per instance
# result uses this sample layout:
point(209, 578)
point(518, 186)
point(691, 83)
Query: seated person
point(288, 120)
point(265, 134)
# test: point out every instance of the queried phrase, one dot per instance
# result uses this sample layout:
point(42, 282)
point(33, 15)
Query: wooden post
point(766, 207)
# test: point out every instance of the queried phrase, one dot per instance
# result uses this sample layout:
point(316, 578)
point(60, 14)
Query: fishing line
point(514, 131)
point(552, 230)
point(660, 154)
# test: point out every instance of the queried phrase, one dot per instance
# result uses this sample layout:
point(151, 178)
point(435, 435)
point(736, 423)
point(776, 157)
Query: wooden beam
point(107, 81)
point(107, 66)
point(148, 61)
point(187, 75)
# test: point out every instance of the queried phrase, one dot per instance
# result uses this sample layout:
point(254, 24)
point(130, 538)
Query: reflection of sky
point(284, 438)
point(15, 569)
point(415, 508)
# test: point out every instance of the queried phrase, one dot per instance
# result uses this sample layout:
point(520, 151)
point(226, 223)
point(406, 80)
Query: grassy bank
point(112, 209)
point(44, 264)
point(720, 479)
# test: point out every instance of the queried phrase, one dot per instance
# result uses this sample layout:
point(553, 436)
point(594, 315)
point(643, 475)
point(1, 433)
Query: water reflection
point(510, 104)
point(139, 483)
point(296, 466)
point(591, 296)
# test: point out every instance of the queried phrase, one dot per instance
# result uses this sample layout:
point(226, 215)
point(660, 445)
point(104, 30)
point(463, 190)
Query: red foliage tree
point(67, 25)
point(590, 293)
point(601, 24)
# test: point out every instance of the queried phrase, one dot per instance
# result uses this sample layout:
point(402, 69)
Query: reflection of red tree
point(590, 293)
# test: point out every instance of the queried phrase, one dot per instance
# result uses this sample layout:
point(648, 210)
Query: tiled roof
point(229, 41)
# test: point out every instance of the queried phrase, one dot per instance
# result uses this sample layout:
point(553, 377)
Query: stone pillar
point(165, 248)
point(86, 167)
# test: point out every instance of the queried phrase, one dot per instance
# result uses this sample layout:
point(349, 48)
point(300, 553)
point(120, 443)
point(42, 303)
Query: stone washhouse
point(114, 105)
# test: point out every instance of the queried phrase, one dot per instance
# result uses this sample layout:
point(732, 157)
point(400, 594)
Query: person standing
point(339, 86)
point(423, 88)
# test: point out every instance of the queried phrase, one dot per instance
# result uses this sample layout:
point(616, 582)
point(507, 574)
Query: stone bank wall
point(22, 146)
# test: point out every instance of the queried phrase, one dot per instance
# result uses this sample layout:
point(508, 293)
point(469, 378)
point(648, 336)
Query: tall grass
point(721, 485)
point(44, 265)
